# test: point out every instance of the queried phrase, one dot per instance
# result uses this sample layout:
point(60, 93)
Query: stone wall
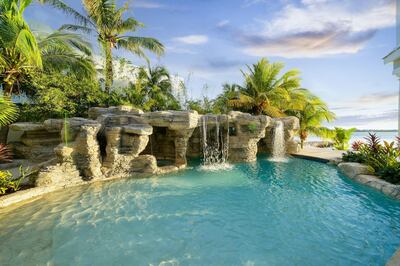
point(124, 141)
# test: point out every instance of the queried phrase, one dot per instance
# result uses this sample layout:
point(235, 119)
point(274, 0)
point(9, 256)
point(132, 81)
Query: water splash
point(215, 143)
point(278, 143)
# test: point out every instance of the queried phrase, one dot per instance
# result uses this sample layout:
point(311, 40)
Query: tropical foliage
point(341, 137)
point(381, 157)
point(56, 95)
point(311, 114)
point(104, 19)
point(19, 51)
point(22, 52)
point(268, 91)
point(152, 91)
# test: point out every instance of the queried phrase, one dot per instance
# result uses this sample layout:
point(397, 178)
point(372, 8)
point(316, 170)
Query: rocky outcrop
point(291, 126)
point(248, 134)
point(124, 141)
point(37, 141)
point(245, 133)
point(354, 169)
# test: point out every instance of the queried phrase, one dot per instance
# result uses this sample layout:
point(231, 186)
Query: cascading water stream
point(278, 143)
point(215, 143)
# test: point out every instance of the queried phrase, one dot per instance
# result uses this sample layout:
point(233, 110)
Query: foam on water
point(216, 167)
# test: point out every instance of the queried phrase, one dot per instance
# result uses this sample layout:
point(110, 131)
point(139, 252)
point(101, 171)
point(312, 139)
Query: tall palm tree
point(311, 116)
point(265, 90)
point(157, 85)
point(106, 21)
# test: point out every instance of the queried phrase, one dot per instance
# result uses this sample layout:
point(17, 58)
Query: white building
point(394, 56)
point(125, 72)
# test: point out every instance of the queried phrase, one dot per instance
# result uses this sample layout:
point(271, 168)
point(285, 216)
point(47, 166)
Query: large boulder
point(354, 169)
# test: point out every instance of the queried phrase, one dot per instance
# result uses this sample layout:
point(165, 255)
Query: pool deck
point(324, 155)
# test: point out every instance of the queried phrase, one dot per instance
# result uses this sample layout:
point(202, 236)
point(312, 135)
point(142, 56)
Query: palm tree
point(106, 21)
point(8, 114)
point(229, 92)
point(311, 115)
point(19, 51)
point(265, 90)
point(66, 53)
point(157, 86)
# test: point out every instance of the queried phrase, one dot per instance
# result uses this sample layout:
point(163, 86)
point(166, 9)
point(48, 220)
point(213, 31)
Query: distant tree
point(157, 84)
point(107, 22)
point(229, 92)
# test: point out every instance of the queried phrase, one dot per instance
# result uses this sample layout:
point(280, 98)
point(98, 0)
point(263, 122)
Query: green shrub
point(391, 173)
point(6, 184)
point(381, 158)
point(342, 137)
point(56, 95)
point(354, 157)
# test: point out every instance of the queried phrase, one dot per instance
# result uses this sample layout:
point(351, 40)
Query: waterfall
point(278, 142)
point(215, 143)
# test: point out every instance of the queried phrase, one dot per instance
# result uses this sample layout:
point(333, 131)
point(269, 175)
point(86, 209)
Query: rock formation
point(124, 141)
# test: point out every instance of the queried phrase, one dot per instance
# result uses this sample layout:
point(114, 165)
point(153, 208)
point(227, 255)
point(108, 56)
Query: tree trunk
point(303, 137)
point(108, 68)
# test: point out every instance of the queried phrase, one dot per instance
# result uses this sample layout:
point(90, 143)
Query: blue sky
point(337, 45)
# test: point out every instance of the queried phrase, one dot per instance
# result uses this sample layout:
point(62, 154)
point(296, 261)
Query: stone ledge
point(361, 174)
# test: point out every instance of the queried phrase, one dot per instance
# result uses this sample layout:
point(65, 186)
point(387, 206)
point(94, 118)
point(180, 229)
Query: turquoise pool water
point(295, 213)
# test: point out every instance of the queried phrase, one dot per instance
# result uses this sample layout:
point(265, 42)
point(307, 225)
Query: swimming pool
point(264, 213)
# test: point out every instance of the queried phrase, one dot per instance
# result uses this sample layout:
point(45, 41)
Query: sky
point(338, 46)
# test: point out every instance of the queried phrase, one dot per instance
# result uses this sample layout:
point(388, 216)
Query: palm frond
point(134, 43)
point(8, 111)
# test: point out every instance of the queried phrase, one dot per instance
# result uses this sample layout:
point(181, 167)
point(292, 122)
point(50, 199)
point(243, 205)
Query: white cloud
point(320, 27)
point(223, 23)
point(192, 39)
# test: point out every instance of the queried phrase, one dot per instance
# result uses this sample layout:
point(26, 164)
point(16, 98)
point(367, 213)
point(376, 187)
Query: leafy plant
point(383, 159)
point(8, 111)
point(390, 173)
point(57, 94)
point(356, 145)
point(342, 137)
point(6, 184)
point(252, 127)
